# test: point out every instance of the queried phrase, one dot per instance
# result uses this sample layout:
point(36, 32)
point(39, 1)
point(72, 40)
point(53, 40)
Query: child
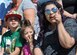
point(27, 33)
point(10, 41)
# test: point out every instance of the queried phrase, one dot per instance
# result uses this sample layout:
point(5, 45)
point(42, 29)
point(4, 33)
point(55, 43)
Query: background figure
point(58, 36)
point(71, 7)
point(0, 26)
point(11, 39)
point(27, 33)
point(5, 28)
point(35, 2)
point(4, 8)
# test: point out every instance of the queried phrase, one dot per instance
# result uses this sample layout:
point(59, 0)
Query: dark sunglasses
point(48, 11)
point(13, 18)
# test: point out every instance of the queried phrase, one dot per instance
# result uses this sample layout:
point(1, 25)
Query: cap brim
point(13, 15)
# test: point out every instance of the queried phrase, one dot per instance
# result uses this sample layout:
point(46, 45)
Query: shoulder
point(70, 22)
point(7, 33)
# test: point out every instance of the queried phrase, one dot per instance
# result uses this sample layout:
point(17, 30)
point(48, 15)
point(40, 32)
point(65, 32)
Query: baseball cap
point(13, 14)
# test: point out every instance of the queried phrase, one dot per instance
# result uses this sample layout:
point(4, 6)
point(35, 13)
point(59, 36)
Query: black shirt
point(50, 44)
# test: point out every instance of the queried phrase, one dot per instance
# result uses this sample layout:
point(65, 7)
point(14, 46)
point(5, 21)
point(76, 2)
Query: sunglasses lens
point(47, 11)
point(14, 18)
point(54, 10)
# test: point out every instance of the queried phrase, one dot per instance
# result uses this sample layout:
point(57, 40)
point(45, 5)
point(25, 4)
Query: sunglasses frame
point(54, 10)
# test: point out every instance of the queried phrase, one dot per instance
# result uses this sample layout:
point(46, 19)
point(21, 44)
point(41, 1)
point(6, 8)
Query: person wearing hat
point(10, 40)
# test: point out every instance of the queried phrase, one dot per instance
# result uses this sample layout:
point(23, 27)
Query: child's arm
point(2, 51)
point(21, 52)
point(31, 47)
point(16, 52)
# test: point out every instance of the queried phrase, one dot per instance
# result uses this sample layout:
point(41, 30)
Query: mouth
point(52, 17)
point(13, 23)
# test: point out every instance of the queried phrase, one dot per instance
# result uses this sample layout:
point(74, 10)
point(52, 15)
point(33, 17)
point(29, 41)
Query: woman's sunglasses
point(48, 11)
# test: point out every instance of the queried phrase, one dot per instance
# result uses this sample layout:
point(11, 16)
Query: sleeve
point(26, 4)
point(71, 27)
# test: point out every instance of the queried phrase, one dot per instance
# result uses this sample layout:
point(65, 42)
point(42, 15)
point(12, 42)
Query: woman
point(58, 37)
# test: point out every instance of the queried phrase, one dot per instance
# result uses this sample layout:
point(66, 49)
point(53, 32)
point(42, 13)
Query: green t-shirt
point(10, 40)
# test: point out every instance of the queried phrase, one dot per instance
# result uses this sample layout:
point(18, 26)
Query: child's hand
point(30, 40)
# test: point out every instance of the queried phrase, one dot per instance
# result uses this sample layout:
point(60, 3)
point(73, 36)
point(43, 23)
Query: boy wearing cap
point(10, 41)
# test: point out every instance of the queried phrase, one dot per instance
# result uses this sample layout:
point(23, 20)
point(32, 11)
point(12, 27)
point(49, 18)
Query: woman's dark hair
point(43, 21)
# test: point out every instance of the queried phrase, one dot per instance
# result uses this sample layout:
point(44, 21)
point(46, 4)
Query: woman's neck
point(53, 26)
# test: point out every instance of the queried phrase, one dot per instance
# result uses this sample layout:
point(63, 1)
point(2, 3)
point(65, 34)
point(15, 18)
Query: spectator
point(27, 33)
point(0, 26)
point(70, 7)
point(35, 2)
point(57, 37)
point(4, 8)
point(5, 27)
point(10, 40)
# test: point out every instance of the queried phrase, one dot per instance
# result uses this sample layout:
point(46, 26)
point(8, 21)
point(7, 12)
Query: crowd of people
point(38, 27)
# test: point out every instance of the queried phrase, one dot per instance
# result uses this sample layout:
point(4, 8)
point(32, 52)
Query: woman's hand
point(58, 17)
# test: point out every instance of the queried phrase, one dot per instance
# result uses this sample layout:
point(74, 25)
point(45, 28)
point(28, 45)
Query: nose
point(29, 34)
point(13, 19)
point(51, 12)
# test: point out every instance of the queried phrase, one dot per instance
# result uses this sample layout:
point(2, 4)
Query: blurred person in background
point(4, 8)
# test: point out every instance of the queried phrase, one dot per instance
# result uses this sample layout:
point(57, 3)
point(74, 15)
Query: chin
point(53, 21)
point(14, 26)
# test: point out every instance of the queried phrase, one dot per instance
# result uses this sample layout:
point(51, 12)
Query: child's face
point(28, 33)
point(13, 22)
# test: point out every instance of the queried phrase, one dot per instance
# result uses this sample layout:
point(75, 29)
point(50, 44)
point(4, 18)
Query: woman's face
point(50, 13)
point(28, 33)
